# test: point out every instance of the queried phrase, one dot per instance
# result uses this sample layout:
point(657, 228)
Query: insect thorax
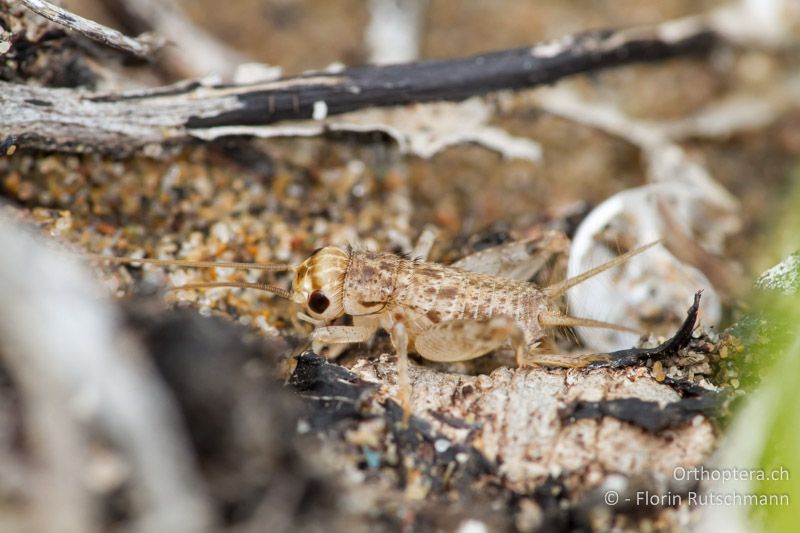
point(370, 281)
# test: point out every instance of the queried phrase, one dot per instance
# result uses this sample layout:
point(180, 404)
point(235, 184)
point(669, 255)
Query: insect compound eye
point(318, 302)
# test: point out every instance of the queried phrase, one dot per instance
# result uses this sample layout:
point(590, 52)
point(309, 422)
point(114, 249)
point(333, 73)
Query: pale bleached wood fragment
point(519, 414)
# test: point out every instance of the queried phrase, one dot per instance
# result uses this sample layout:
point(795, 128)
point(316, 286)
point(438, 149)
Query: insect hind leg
point(465, 339)
point(554, 360)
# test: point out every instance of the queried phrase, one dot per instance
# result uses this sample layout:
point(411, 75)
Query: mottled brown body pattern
point(430, 293)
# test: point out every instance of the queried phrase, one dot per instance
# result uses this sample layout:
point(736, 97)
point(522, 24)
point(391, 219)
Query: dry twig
point(143, 46)
point(77, 121)
point(194, 52)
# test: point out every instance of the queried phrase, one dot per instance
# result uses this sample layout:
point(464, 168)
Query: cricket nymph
point(443, 313)
point(447, 314)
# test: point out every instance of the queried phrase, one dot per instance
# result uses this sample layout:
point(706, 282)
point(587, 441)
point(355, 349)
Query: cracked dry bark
point(517, 413)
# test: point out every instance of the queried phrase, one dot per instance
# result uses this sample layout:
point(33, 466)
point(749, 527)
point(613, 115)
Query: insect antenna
point(283, 293)
point(270, 267)
point(560, 288)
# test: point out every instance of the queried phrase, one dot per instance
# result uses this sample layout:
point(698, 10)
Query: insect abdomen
point(445, 293)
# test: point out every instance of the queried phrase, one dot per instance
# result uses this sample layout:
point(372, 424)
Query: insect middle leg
point(424, 244)
point(399, 337)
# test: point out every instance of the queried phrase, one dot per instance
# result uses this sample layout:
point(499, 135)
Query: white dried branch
point(680, 186)
point(143, 46)
point(666, 160)
point(195, 52)
point(770, 23)
point(395, 30)
point(747, 22)
point(78, 368)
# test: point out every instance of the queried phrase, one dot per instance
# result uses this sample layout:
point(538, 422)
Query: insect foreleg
point(341, 334)
point(339, 337)
point(325, 335)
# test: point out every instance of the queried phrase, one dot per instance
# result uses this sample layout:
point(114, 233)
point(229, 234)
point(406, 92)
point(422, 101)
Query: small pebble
point(372, 458)
point(472, 526)
point(442, 445)
point(658, 371)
